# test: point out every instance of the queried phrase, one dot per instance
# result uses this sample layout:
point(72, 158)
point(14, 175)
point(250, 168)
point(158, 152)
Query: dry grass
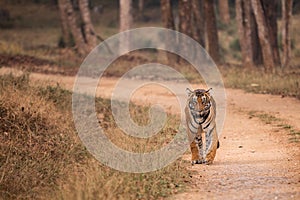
point(36, 141)
point(284, 82)
point(41, 156)
point(100, 182)
point(280, 124)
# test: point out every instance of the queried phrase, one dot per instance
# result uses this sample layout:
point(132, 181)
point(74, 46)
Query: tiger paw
point(208, 162)
point(198, 162)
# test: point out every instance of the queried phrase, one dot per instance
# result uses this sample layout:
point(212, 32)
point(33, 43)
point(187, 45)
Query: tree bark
point(184, 8)
point(211, 31)
point(125, 15)
point(263, 33)
point(125, 23)
point(287, 6)
point(270, 12)
point(185, 19)
point(224, 11)
point(66, 39)
point(89, 32)
point(167, 14)
point(199, 22)
point(257, 50)
point(141, 4)
point(243, 28)
point(248, 38)
point(168, 22)
point(66, 6)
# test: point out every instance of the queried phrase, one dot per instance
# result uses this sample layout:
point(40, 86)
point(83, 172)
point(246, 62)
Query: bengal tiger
point(200, 114)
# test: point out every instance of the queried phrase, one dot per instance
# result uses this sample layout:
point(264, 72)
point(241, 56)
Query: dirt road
point(255, 161)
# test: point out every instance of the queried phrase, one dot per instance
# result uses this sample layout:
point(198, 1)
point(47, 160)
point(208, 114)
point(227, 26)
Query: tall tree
point(264, 35)
point(211, 30)
point(126, 20)
point(224, 11)
point(185, 19)
point(287, 6)
point(270, 12)
point(167, 14)
point(168, 22)
point(184, 9)
point(198, 22)
point(66, 35)
point(248, 36)
point(84, 37)
point(141, 5)
point(67, 12)
point(89, 32)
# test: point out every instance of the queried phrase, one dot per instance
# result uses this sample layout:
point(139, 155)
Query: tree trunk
point(224, 11)
point(248, 38)
point(89, 32)
point(141, 4)
point(185, 18)
point(211, 31)
point(66, 6)
point(184, 8)
point(125, 23)
point(263, 33)
point(66, 39)
point(257, 51)
point(168, 22)
point(287, 6)
point(199, 22)
point(270, 12)
point(167, 14)
point(243, 28)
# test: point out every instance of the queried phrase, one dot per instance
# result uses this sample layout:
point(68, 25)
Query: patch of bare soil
point(255, 160)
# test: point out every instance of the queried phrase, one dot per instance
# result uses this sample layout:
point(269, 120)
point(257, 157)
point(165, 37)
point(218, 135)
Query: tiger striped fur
point(200, 114)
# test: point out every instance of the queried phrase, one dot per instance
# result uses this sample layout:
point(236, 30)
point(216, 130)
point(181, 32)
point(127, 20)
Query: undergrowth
point(37, 142)
point(42, 157)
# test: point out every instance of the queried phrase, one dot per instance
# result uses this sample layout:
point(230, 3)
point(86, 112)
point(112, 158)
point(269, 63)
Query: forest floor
point(259, 156)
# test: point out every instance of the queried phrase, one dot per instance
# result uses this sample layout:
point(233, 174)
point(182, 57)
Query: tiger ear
point(188, 91)
point(207, 91)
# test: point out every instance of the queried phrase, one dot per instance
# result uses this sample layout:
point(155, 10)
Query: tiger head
point(199, 102)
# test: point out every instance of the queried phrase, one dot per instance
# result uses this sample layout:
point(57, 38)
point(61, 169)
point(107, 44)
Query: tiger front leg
point(197, 151)
point(211, 145)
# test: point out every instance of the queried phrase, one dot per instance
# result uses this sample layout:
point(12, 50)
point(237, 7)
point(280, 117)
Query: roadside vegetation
point(42, 156)
point(278, 123)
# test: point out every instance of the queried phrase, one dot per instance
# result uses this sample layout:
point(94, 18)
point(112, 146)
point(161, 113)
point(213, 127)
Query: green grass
point(41, 155)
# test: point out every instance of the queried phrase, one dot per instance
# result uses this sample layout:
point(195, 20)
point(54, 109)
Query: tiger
point(200, 114)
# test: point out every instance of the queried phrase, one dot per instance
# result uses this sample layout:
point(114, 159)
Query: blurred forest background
point(256, 43)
